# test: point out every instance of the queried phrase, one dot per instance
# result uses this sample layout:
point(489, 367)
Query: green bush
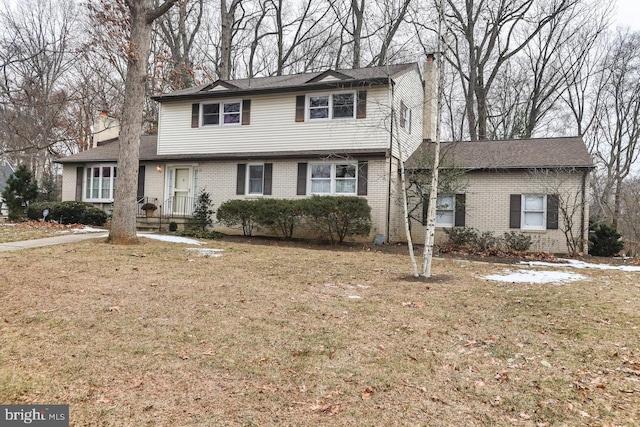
point(461, 237)
point(487, 241)
point(238, 213)
point(279, 215)
point(68, 212)
point(337, 217)
point(605, 241)
point(517, 241)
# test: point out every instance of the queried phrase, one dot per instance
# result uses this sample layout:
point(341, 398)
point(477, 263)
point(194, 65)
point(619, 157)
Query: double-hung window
point(405, 117)
point(255, 179)
point(333, 178)
point(534, 212)
point(100, 183)
point(445, 211)
point(221, 113)
point(332, 106)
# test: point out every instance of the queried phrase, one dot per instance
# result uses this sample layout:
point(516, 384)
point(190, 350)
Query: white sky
point(628, 13)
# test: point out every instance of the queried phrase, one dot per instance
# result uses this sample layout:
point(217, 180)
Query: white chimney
point(104, 128)
point(429, 75)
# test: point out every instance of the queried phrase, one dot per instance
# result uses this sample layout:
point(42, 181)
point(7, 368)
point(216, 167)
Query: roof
point(566, 152)
point(108, 152)
point(304, 81)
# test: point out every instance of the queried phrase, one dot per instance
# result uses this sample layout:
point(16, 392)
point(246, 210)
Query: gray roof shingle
point(291, 82)
point(565, 152)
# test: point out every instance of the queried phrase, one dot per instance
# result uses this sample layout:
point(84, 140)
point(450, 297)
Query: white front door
point(181, 196)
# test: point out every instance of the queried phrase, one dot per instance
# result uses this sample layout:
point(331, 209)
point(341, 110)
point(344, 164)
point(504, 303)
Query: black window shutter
point(242, 172)
point(268, 172)
point(552, 211)
point(514, 210)
point(302, 179)
point(363, 177)
point(246, 111)
point(79, 178)
point(141, 177)
point(461, 201)
point(425, 208)
point(300, 101)
point(361, 109)
point(195, 115)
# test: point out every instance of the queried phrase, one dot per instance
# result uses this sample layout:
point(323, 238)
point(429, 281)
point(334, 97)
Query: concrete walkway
point(48, 241)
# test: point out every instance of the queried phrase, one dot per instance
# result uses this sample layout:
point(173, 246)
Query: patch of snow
point(207, 252)
point(574, 263)
point(173, 239)
point(86, 229)
point(354, 297)
point(529, 276)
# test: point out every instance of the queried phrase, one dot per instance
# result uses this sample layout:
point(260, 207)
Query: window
point(226, 113)
point(334, 106)
point(405, 117)
point(100, 183)
point(533, 212)
point(333, 178)
point(255, 179)
point(445, 211)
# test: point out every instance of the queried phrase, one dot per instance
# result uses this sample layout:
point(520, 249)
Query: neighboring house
point(6, 170)
point(538, 187)
point(325, 133)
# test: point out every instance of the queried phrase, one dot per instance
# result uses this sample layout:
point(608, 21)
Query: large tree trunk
point(123, 223)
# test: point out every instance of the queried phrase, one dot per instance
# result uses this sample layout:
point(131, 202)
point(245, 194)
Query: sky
point(628, 13)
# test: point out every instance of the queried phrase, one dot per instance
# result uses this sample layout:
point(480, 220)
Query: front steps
point(157, 223)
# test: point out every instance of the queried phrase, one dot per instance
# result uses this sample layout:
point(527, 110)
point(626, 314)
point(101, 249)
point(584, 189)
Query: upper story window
point(333, 178)
point(100, 183)
point(405, 117)
point(225, 113)
point(332, 106)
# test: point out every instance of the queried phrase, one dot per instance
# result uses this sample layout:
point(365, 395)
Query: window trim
point(248, 180)
point(221, 113)
point(307, 107)
point(523, 212)
point(87, 182)
point(333, 178)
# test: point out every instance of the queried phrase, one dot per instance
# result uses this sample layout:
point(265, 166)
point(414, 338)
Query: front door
point(181, 190)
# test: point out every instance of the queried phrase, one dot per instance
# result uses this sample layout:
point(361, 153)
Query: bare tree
point(142, 15)
point(485, 34)
point(178, 29)
point(616, 129)
point(37, 51)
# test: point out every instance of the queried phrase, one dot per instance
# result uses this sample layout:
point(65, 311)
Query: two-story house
point(322, 133)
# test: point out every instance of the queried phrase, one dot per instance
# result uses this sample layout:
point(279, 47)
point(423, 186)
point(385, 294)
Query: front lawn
point(154, 334)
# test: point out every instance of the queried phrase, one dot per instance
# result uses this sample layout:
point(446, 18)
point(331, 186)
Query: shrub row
point(470, 238)
point(330, 217)
point(68, 213)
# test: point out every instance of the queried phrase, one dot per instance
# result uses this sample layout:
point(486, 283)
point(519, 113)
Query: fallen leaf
point(545, 364)
point(114, 308)
point(525, 416)
point(367, 393)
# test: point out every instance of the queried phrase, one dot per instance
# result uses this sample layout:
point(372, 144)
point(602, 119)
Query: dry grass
point(155, 335)
point(29, 230)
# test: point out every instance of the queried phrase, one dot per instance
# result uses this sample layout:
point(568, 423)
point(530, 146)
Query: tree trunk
point(123, 223)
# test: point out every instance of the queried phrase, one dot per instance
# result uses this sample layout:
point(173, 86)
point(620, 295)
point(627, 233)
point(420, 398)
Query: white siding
point(273, 128)
point(408, 89)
